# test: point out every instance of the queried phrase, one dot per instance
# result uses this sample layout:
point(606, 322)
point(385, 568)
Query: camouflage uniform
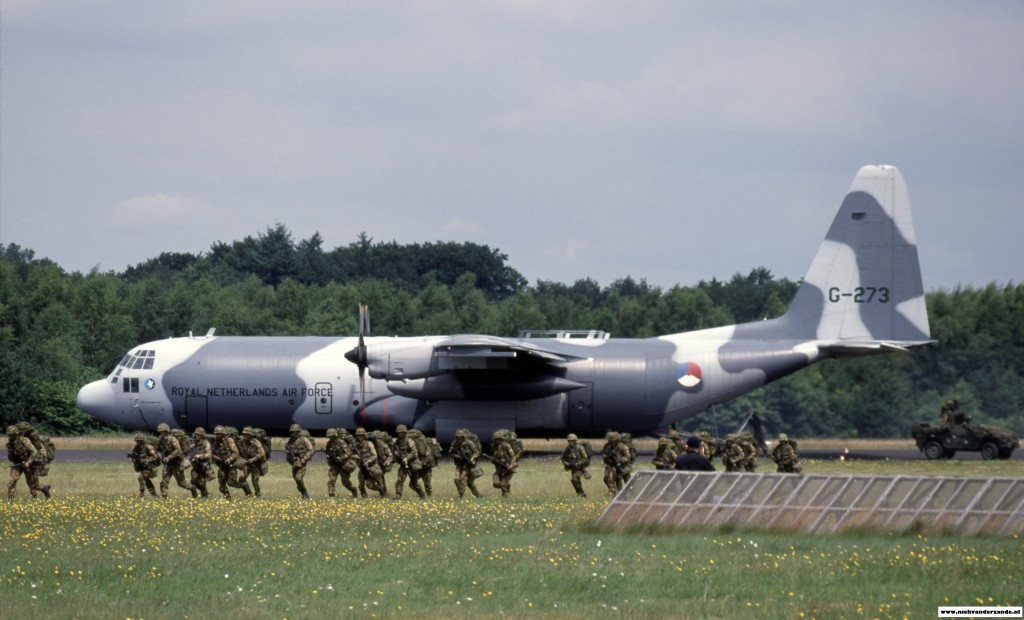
point(173, 456)
point(746, 441)
point(709, 447)
point(340, 461)
point(201, 455)
point(678, 441)
point(785, 456)
point(409, 464)
point(665, 457)
point(504, 464)
point(225, 454)
point(576, 461)
point(464, 454)
point(369, 465)
point(251, 461)
point(20, 453)
point(617, 463)
point(299, 451)
point(145, 460)
point(734, 455)
point(427, 471)
point(949, 409)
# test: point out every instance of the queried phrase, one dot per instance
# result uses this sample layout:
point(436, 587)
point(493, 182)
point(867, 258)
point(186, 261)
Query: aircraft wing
point(465, 349)
point(853, 348)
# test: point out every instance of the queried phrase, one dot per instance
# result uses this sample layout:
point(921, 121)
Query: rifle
point(403, 463)
point(499, 463)
point(466, 454)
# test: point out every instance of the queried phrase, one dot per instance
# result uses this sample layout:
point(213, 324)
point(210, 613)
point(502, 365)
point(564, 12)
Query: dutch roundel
point(690, 376)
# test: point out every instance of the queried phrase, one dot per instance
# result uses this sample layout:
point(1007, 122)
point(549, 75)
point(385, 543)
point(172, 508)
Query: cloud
point(157, 205)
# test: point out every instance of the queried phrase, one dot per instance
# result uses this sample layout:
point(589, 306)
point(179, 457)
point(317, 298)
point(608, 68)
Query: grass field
point(97, 552)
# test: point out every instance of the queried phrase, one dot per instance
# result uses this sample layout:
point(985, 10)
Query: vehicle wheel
point(934, 450)
point(989, 450)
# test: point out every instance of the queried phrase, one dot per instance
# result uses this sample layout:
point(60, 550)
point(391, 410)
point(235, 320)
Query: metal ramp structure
point(820, 504)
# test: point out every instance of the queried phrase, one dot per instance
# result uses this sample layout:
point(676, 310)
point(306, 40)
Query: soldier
point(504, 457)
point(693, 458)
point(746, 441)
point(20, 453)
point(617, 462)
point(369, 465)
point(708, 445)
point(734, 455)
point(145, 460)
point(225, 454)
point(464, 454)
point(665, 457)
point(785, 455)
point(298, 452)
point(172, 454)
point(409, 462)
point(948, 411)
point(577, 462)
point(340, 461)
point(252, 460)
point(429, 463)
point(678, 441)
point(200, 455)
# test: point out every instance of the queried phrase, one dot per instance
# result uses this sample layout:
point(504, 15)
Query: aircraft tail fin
point(863, 291)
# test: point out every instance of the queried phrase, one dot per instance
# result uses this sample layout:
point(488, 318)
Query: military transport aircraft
point(862, 295)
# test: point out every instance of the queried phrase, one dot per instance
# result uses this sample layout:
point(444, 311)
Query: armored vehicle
point(943, 441)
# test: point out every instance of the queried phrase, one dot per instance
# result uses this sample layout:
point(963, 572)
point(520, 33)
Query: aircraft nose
point(97, 399)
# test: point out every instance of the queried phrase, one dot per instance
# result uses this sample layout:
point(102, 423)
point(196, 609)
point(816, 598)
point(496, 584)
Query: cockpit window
point(143, 359)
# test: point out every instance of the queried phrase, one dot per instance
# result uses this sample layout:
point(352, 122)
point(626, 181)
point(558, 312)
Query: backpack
point(588, 447)
point(471, 436)
point(182, 438)
point(627, 439)
point(381, 441)
point(261, 435)
point(512, 439)
point(423, 451)
point(45, 453)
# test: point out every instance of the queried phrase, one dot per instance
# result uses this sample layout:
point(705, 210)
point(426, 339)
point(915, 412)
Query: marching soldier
point(20, 453)
point(200, 454)
point(577, 462)
point(504, 457)
point(665, 457)
point(617, 462)
point(172, 454)
point(298, 452)
point(785, 455)
point(746, 441)
point(145, 460)
point(340, 461)
point(734, 454)
point(252, 460)
point(409, 464)
point(369, 465)
point(225, 454)
point(464, 454)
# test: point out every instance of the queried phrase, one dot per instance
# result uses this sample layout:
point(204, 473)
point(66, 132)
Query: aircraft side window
point(135, 385)
point(124, 360)
point(149, 363)
point(125, 385)
point(138, 362)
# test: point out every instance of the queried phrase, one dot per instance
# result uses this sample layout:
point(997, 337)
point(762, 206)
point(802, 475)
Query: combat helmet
point(572, 437)
point(461, 433)
point(663, 441)
point(12, 430)
point(360, 432)
point(332, 432)
point(294, 428)
point(247, 431)
point(199, 432)
point(612, 436)
point(163, 428)
point(219, 430)
point(783, 437)
point(140, 437)
point(402, 428)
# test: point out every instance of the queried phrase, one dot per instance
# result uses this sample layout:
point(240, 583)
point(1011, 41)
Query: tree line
point(60, 330)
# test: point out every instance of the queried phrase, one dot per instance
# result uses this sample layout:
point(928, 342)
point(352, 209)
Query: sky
point(668, 141)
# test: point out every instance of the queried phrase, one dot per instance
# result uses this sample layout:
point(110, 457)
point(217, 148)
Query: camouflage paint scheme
point(863, 295)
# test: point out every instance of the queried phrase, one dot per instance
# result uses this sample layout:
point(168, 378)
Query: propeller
point(358, 355)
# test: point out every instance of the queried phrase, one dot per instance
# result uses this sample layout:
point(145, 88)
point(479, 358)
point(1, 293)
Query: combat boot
point(46, 491)
point(305, 495)
point(195, 491)
point(247, 489)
